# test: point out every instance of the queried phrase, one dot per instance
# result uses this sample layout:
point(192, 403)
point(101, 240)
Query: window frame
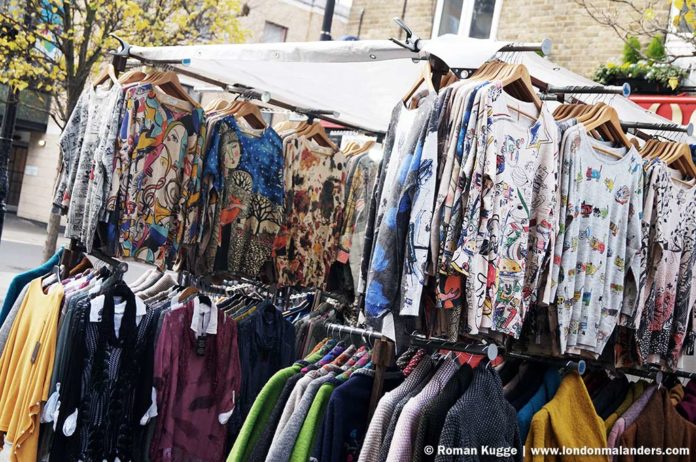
point(275, 24)
point(466, 17)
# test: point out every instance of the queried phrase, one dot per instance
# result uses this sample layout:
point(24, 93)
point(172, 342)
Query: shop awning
point(361, 81)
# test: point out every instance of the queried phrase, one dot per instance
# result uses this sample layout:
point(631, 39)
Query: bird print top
point(665, 302)
point(597, 260)
point(307, 244)
point(508, 220)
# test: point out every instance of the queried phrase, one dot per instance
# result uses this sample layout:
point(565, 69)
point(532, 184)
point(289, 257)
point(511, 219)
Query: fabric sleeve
point(635, 264)
point(536, 438)
point(125, 143)
point(419, 190)
point(230, 364)
point(471, 182)
point(70, 144)
point(189, 205)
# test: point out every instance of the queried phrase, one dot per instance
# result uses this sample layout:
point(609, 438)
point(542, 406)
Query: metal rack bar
point(341, 329)
point(688, 129)
point(624, 90)
point(324, 114)
point(489, 349)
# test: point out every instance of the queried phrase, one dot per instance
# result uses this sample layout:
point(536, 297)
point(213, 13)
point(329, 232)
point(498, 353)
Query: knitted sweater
point(552, 380)
point(309, 430)
point(22, 279)
point(482, 417)
point(380, 419)
point(569, 420)
point(282, 445)
point(435, 413)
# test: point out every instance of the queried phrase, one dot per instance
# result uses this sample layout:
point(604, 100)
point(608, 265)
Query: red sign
point(678, 109)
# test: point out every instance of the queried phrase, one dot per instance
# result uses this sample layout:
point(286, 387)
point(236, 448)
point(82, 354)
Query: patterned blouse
point(507, 225)
point(666, 301)
point(155, 190)
point(307, 245)
point(597, 262)
point(248, 171)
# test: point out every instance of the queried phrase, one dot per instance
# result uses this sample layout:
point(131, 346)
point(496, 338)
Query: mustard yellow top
point(25, 369)
point(568, 420)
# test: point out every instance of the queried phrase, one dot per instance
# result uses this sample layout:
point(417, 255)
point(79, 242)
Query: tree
point(53, 46)
point(647, 21)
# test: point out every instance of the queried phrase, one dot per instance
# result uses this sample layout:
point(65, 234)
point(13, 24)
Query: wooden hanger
point(518, 78)
point(251, 113)
point(609, 118)
point(318, 134)
point(107, 72)
point(132, 76)
point(426, 76)
point(169, 83)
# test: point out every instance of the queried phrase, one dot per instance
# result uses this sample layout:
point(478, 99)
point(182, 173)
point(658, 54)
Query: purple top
point(196, 381)
point(629, 416)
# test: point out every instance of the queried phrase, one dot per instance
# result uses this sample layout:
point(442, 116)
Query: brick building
point(579, 43)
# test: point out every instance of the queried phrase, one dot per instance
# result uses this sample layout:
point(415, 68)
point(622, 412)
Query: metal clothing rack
point(487, 349)
point(356, 331)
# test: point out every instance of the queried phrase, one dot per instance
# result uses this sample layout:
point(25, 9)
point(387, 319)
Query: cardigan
point(630, 416)
point(380, 419)
point(406, 427)
point(435, 413)
point(635, 390)
point(281, 447)
point(569, 420)
point(552, 380)
point(659, 426)
point(482, 417)
point(345, 421)
point(22, 279)
point(308, 432)
point(391, 429)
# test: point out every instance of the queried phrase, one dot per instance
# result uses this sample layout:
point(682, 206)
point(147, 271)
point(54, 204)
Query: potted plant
point(646, 76)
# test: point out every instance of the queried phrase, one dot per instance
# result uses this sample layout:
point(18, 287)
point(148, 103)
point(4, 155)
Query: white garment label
point(50, 408)
point(225, 416)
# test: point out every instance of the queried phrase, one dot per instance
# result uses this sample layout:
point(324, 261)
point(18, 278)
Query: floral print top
point(669, 233)
point(508, 221)
point(155, 190)
point(307, 244)
point(597, 261)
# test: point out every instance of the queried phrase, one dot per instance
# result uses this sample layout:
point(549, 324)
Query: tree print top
point(308, 242)
point(665, 302)
point(508, 220)
point(597, 260)
point(249, 173)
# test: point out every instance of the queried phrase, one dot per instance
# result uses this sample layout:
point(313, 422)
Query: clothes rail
point(688, 129)
point(624, 90)
point(579, 365)
point(490, 349)
point(341, 329)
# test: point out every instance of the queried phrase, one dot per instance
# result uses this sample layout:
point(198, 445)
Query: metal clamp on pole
point(412, 41)
point(245, 92)
point(544, 47)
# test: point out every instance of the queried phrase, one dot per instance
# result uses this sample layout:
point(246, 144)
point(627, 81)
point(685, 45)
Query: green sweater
point(309, 430)
point(263, 405)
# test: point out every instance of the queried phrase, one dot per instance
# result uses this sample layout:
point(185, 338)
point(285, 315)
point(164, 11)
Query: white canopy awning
point(360, 80)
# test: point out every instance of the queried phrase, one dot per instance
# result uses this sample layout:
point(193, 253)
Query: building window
point(471, 18)
point(274, 32)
